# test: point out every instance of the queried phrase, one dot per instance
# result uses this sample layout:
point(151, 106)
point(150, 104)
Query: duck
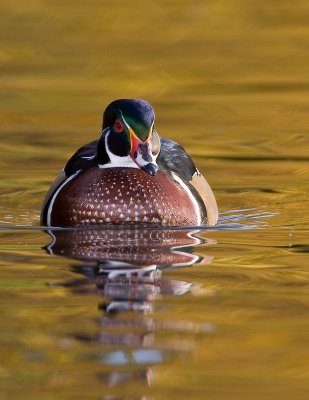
point(129, 175)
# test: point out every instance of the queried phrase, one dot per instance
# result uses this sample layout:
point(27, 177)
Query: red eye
point(118, 126)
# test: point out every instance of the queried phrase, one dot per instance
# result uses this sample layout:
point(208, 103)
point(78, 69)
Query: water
point(176, 313)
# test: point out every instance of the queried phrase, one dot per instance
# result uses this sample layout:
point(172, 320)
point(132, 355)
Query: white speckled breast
point(97, 196)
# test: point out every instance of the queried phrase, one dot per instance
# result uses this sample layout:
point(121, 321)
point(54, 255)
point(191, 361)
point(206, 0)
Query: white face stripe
point(51, 204)
point(124, 120)
point(129, 127)
point(192, 198)
point(125, 161)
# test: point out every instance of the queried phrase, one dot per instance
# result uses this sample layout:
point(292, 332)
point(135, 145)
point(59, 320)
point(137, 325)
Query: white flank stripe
point(188, 191)
point(51, 204)
point(127, 125)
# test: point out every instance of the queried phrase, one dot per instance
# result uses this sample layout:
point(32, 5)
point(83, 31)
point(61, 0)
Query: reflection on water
point(134, 246)
point(229, 81)
point(126, 268)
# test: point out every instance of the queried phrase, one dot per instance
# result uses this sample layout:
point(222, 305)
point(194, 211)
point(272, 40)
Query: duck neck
point(118, 143)
point(112, 144)
point(102, 155)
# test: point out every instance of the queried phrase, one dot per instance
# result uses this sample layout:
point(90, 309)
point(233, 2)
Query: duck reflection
point(132, 245)
point(125, 266)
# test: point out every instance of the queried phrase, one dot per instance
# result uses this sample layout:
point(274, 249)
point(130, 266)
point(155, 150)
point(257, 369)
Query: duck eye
point(118, 126)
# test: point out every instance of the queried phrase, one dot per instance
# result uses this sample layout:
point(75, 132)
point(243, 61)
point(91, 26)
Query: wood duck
point(130, 175)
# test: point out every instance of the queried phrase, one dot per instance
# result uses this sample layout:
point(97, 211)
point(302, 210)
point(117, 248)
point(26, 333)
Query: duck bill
point(141, 154)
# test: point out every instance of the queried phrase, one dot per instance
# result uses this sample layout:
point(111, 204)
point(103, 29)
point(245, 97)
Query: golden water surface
point(214, 314)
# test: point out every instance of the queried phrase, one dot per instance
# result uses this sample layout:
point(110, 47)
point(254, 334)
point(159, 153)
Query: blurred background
point(229, 81)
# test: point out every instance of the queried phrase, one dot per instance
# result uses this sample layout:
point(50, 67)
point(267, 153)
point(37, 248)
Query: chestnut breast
point(117, 195)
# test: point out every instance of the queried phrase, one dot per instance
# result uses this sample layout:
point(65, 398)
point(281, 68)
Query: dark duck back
point(129, 175)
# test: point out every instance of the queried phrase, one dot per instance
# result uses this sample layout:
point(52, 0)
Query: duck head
point(130, 123)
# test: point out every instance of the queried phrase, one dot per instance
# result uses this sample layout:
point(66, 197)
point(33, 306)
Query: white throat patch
point(117, 161)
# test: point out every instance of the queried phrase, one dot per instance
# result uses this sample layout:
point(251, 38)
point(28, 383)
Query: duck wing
point(174, 159)
point(84, 158)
